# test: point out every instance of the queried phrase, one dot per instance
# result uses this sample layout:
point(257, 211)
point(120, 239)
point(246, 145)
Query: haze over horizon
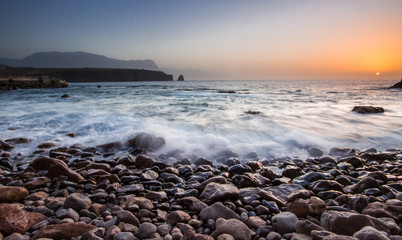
point(234, 39)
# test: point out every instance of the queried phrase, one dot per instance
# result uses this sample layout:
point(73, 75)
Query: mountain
point(76, 60)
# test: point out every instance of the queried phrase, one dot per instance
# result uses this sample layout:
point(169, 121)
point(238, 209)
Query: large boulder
point(14, 219)
point(12, 194)
point(368, 109)
point(63, 230)
point(284, 222)
point(55, 168)
point(236, 228)
point(348, 223)
point(219, 192)
point(146, 141)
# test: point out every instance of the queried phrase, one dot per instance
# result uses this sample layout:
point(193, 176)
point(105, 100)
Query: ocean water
point(206, 117)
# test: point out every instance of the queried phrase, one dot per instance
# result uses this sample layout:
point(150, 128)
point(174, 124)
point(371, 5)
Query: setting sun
point(377, 74)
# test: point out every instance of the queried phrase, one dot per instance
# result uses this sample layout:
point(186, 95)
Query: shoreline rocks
point(78, 193)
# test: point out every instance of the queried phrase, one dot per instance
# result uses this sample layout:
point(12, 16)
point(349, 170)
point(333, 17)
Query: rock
point(192, 203)
point(12, 194)
point(306, 227)
point(123, 236)
point(304, 207)
point(282, 191)
point(178, 216)
point(14, 219)
point(368, 109)
point(202, 161)
point(225, 236)
point(292, 172)
point(65, 96)
point(37, 182)
point(146, 141)
point(304, 194)
point(284, 222)
point(180, 78)
point(255, 222)
point(236, 228)
point(308, 178)
point(5, 145)
point(273, 236)
point(77, 201)
point(239, 169)
point(127, 217)
point(397, 85)
point(63, 231)
point(142, 161)
point(379, 209)
point(368, 233)
point(314, 152)
point(216, 179)
point(299, 236)
point(47, 145)
point(326, 185)
point(67, 213)
point(128, 200)
point(111, 231)
point(217, 210)
point(55, 168)
point(16, 236)
point(348, 223)
point(342, 152)
point(110, 146)
point(18, 140)
point(219, 192)
point(132, 188)
point(146, 230)
point(364, 183)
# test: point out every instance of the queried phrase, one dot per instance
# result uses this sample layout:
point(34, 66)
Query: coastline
point(100, 195)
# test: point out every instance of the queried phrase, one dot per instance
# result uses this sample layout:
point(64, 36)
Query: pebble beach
point(84, 192)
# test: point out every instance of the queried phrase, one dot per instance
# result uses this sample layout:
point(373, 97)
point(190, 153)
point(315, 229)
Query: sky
point(281, 39)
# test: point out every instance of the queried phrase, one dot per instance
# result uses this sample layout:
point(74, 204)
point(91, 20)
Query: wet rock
point(368, 109)
point(326, 185)
point(202, 161)
point(192, 203)
point(225, 236)
point(123, 236)
point(342, 152)
point(284, 222)
point(219, 192)
point(142, 161)
point(6, 146)
point(146, 141)
point(67, 213)
point(12, 194)
point(306, 227)
point(304, 194)
point(379, 209)
point(255, 222)
point(146, 230)
point(244, 181)
point(37, 182)
point(348, 223)
point(77, 201)
point(273, 236)
point(315, 152)
point(304, 207)
point(18, 140)
point(364, 183)
point(369, 232)
point(233, 227)
point(308, 178)
point(380, 157)
point(133, 188)
point(14, 219)
point(178, 216)
point(217, 210)
point(63, 231)
point(127, 217)
point(216, 179)
point(282, 191)
point(110, 146)
point(55, 168)
point(129, 200)
point(239, 169)
point(292, 172)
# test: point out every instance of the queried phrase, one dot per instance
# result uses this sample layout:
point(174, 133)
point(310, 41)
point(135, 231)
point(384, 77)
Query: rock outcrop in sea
point(180, 78)
point(397, 85)
point(82, 192)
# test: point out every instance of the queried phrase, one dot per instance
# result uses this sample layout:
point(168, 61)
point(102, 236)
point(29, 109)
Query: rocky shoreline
point(80, 192)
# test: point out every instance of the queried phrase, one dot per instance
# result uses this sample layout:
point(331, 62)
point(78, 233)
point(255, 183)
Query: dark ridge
point(90, 74)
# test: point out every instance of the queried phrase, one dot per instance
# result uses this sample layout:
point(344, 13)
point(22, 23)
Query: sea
point(267, 119)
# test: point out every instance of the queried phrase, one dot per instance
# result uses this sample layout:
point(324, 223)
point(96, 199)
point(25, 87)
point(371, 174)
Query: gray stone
point(77, 201)
point(123, 236)
point(146, 230)
point(368, 233)
point(67, 213)
point(219, 192)
point(284, 222)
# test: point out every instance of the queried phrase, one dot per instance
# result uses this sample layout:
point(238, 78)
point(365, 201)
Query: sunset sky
point(236, 39)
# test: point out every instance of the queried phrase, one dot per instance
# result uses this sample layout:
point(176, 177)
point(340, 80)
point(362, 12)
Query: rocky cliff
point(90, 74)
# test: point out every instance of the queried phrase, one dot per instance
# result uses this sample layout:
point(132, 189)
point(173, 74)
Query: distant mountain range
point(90, 60)
point(76, 60)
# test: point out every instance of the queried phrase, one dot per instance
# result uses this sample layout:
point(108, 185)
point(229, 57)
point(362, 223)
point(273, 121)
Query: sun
point(377, 73)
